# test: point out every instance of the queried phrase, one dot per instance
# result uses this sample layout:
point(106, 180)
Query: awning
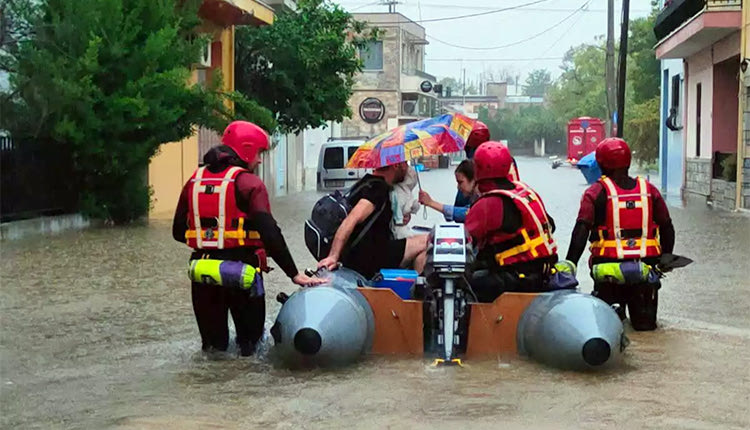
point(236, 12)
point(700, 32)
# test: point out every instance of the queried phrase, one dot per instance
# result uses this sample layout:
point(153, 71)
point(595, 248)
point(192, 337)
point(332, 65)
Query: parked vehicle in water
point(332, 171)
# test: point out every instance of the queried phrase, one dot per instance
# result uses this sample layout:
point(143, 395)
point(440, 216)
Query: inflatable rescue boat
point(344, 321)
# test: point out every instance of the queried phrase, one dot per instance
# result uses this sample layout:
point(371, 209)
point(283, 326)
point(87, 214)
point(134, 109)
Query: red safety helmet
point(613, 153)
point(479, 134)
point(492, 160)
point(246, 139)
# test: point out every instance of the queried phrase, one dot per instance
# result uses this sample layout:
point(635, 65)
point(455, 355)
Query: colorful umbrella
point(433, 136)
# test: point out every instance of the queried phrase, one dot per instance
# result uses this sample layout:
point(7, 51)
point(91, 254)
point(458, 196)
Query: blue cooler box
point(398, 280)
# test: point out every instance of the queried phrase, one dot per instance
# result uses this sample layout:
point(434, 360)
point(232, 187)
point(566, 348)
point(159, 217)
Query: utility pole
point(623, 66)
point(391, 5)
point(464, 91)
point(609, 72)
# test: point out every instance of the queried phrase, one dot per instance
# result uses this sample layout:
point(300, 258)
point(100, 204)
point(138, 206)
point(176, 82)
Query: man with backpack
point(364, 240)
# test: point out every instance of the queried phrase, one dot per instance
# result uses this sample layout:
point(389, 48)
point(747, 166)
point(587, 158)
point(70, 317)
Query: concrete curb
point(15, 230)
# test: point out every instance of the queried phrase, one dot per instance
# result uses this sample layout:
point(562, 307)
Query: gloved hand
point(566, 266)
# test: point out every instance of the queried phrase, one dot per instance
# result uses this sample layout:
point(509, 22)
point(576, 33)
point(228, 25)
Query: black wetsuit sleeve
point(667, 237)
point(552, 224)
point(664, 221)
point(578, 241)
point(180, 223)
point(274, 242)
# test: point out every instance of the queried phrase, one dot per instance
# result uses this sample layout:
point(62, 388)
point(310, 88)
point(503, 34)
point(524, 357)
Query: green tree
point(642, 130)
point(457, 86)
point(580, 90)
point(537, 83)
point(643, 67)
point(643, 91)
point(452, 83)
point(109, 80)
point(16, 25)
point(302, 67)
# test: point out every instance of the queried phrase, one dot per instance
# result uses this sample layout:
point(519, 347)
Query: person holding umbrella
point(364, 241)
point(378, 249)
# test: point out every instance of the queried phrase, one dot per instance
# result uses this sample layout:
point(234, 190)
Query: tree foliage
point(537, 83)
point(109, 79)
point(302, 67)
point(642, 130)
point(580, 90)
point(523, 127)
point(643, 67)
point(457, 86)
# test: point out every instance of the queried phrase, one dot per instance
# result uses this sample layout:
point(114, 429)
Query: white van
point(332, 171)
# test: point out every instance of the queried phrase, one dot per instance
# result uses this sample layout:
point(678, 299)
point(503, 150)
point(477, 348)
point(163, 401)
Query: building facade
point(706, 36)
point(672, 124)
point(175, 162)
point(393, 88)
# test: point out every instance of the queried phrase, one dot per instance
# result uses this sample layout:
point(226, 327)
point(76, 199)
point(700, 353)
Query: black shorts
point(368, 258)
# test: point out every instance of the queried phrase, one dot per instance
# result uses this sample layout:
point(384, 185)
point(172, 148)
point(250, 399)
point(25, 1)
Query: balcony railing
point(723, 4)
point(676, 12)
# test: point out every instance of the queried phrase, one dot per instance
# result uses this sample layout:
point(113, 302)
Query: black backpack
point(327, 215)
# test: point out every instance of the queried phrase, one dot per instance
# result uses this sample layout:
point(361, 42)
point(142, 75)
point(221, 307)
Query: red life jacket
point(629, 231)
point(533, 240)
point(214, 220)
point(513, 172)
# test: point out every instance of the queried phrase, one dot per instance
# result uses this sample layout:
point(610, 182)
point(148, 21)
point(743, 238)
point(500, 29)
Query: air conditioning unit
point(409, 107)
point(205, 60)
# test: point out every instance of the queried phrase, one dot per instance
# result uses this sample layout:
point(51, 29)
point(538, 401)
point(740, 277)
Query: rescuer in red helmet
point(479, 134)
point(224, 214)
point(627, 221)
point(510, 228)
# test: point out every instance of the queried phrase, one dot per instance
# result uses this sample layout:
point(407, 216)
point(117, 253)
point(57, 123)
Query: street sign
point(371, 110)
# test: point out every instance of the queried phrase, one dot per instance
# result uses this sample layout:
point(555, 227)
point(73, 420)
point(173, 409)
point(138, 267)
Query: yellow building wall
point(175, 162)
point(168, 172)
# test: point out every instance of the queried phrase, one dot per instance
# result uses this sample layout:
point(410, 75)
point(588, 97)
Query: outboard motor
point(329, 325)
point(571, 330)
point(446, 281)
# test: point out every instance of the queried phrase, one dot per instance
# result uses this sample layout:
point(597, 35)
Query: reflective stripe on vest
point(619, 202)
point(530, 244)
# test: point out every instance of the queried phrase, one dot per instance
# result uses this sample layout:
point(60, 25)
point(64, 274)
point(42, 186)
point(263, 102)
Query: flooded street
point(98, 332)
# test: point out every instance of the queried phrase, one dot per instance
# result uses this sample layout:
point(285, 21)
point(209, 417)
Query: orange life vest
point(533, 240)
point(629, 231)
point(214, 220)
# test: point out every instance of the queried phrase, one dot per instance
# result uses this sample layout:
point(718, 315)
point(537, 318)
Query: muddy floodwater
point(97, 331)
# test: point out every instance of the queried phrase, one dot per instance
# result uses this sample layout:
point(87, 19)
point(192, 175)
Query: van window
point(352, 150)
point(333, 158)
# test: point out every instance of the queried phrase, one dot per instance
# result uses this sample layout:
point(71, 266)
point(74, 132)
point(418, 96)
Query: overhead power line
point(488, 8)
point(518, 42)
point(553, 44)
point(492, 59)
point(490, 12)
